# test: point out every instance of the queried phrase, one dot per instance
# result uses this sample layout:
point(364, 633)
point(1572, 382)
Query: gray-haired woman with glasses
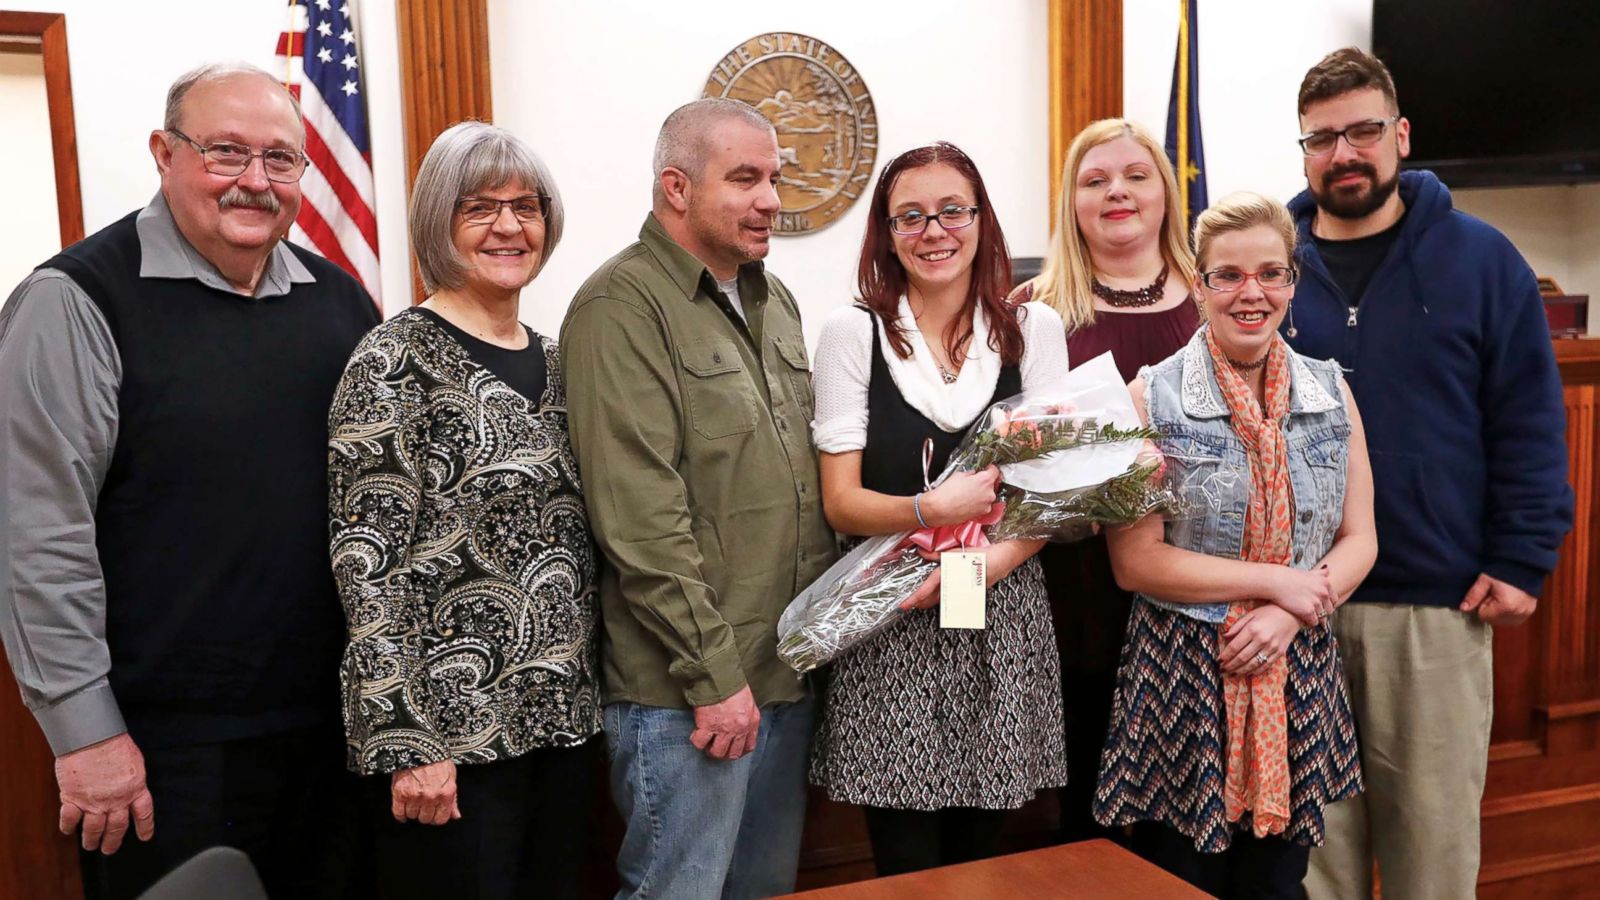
point(462, 550)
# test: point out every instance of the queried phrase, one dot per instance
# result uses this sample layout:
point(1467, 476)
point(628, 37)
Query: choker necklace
point(1148, 295)
point(1247, 366)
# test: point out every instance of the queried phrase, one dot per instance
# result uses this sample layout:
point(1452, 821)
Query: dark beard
point(1354, 206)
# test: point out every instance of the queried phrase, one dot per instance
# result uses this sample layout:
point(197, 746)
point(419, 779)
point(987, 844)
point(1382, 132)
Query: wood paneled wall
point(444, 70)
point(1085, 75)
point(1541, 808)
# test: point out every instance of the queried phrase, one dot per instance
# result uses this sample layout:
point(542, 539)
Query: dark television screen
point(1499, 92)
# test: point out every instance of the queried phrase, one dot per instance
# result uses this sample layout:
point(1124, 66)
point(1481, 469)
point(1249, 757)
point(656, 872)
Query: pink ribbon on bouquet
point(939, 538)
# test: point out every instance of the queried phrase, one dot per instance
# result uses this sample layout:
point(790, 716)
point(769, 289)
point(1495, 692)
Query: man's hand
point(101, 786)
point(1498, 603)
point(426, 793)
point(727, 730)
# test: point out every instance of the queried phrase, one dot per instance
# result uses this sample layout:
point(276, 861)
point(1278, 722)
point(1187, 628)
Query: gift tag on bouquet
point(961, 589)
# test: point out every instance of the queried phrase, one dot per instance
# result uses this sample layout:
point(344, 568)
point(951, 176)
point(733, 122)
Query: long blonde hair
point(1066, 279)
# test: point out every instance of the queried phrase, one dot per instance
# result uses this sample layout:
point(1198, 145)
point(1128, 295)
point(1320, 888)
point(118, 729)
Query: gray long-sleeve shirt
point(59, 379)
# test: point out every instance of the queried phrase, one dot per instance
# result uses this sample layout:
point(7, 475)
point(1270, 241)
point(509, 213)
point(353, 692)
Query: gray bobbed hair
point(470, 157)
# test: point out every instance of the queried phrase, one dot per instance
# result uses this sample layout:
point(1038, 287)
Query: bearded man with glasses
point(167, 604)
point(1437, 322)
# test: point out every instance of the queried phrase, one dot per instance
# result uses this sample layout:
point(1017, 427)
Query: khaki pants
point(1421, 682)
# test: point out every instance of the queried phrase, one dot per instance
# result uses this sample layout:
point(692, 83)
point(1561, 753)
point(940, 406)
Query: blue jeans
point(699, 828)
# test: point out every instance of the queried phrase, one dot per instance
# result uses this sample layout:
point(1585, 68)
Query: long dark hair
point(881, 278)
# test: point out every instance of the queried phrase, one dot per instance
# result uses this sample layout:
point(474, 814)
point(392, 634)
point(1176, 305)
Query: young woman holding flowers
point(934, 732)
point(1231, 729)
point(1119, 272)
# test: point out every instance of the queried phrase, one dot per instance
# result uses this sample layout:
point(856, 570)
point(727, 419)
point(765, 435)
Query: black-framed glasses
point(482, 210)
point(916, 221)
point(1361, 134)
point(230, 159)
point(1226, 280)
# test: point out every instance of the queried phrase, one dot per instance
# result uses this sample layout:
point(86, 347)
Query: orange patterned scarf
point(1257, 774)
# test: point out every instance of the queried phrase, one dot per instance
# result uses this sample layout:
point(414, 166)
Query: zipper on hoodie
point(1351, 322)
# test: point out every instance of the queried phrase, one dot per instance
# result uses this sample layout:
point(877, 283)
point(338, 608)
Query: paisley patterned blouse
point(462, 554)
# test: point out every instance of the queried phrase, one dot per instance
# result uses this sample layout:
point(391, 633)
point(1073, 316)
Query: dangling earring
point(1291, 332)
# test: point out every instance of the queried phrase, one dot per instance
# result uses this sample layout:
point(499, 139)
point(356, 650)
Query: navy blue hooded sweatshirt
point(1450, 362)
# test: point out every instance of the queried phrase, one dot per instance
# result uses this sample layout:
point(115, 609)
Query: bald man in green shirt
point(689, 397)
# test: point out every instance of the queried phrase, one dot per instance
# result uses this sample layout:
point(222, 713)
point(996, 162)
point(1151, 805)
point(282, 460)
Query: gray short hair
point(682, 143)
point(470, 157)
point(215, 72)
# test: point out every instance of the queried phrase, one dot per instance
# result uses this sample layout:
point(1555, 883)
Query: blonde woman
point(1119, 273)
point(1231, 729)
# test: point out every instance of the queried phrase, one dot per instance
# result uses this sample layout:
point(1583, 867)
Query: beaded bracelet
point(916, 507)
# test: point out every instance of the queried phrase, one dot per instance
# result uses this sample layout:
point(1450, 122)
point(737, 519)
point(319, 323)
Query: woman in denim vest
point(1231, 730)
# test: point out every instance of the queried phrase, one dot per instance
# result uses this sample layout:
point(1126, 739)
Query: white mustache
point(238, 196)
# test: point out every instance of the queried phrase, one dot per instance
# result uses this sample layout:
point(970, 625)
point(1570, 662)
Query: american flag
point(320, 54)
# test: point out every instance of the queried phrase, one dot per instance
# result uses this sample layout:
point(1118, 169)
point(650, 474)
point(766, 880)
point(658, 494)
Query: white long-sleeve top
point(842, 369)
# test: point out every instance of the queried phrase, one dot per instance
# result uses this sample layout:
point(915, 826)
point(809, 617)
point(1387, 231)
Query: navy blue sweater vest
point(211, 525)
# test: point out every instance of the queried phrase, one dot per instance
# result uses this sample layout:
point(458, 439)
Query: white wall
point(1557, 229)
point(587, 85)
point(1253, 54)
point(30, 231)
point(124, 55)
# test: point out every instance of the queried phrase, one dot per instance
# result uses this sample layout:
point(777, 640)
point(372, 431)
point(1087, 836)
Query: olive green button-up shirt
point(691, 426)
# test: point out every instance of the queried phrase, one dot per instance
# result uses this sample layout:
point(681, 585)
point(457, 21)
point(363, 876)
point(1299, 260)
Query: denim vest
point(1183, 401)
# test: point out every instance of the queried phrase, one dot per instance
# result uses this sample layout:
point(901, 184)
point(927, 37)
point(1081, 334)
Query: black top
point(891, 461)
point(523, 369)
point(221, 615)
point(1352, 263)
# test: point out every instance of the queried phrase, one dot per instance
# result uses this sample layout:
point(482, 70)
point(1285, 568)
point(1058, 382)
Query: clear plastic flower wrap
point(1071, 459)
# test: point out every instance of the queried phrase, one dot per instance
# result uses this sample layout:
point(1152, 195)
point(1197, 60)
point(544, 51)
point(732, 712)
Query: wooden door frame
point(46, 34)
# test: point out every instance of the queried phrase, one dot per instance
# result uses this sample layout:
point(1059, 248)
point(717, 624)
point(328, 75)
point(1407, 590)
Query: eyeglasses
point(483, 210)
point(1228, 280)
point(1361, 134)
point(916, 221)
point(230, 159)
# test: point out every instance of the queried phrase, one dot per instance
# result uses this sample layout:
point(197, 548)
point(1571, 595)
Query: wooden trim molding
point(1085, 74)
point(444, 74)
point(50, 30)
point(35, 861)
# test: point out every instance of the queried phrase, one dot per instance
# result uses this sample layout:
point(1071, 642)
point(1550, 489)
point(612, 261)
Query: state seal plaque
point(827, 126)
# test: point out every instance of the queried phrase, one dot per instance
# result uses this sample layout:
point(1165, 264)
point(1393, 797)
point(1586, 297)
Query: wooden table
point(1090, 870)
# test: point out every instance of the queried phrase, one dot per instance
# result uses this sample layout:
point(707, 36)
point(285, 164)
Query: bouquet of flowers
point(1069, 461)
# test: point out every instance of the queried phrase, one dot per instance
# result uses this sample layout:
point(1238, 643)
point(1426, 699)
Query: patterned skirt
point(924, 718)
point(1165, 751)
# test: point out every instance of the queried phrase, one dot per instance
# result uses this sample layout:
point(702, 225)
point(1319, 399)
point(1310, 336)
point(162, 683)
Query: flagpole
point(288, 58)
point(1183, 103)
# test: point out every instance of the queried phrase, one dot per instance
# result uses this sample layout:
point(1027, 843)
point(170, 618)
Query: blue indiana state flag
point(1184, 147)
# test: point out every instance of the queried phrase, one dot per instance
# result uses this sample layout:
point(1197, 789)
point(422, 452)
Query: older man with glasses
point(166, 603)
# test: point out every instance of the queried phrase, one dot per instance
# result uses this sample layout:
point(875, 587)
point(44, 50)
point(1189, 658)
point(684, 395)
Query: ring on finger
point(1262, 658)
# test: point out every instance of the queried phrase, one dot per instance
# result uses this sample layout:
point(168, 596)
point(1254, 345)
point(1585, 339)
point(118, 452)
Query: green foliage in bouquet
point(868, 599)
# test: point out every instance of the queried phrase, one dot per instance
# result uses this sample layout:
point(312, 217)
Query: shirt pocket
point(1326, 458)
point(793, 351)
point(1211, 492)
point(721, 400)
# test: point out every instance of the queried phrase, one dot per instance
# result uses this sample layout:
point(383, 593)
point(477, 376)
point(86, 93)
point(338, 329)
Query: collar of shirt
point(165, 253)
point(691, 276)
point(950, 406)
